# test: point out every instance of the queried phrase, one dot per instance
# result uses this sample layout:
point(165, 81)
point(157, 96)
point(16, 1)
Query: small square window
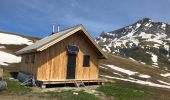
point(33, 59)
point(86, 60)
point(27, 59)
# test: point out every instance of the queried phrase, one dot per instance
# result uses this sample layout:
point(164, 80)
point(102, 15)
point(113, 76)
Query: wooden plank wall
point(30, 67)
point(86, 49)
point(52, 62)
point(1, 73)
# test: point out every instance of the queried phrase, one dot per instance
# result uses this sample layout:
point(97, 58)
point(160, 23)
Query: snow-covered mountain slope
point(124, 69)
point(145, 41)
point(13, 39)
point(9, 43)
point(8, 58)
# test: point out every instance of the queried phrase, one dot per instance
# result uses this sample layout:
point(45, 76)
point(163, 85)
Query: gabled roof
point(56, 37)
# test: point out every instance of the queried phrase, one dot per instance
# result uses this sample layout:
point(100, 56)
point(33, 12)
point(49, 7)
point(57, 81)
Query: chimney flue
point(58, 28)
point(53, 29)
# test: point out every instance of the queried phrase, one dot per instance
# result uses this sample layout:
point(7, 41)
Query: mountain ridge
point(143, 38)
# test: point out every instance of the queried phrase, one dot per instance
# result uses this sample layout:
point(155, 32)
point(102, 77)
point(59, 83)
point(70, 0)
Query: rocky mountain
point(144, 41)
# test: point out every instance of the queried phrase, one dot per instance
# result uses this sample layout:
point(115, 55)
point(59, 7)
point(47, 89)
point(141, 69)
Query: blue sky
point(35, 17)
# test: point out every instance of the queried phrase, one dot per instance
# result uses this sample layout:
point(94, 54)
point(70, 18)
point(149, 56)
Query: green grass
point(125, 91)
point(119, 90)
point(69, 95)
point(15, 87)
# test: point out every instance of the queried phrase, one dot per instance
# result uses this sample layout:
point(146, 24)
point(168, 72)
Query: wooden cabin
point(71, 54)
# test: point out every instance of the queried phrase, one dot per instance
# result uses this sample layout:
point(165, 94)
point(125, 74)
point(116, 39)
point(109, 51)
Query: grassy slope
point(134, 66)
point(130, 91)
point(121, 90)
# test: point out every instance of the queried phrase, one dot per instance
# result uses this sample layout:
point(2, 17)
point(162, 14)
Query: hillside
point(119, 68)
point(145, 41)
point(9, 44)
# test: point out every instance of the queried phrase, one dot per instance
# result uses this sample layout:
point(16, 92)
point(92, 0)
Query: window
point(33, 59)
point(27, 59)
point(86, 60)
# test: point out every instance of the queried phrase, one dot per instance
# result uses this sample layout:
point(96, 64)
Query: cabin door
point(71, 66)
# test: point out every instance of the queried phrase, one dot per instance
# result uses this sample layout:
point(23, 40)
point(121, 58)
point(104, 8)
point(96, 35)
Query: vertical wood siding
point(51, 64)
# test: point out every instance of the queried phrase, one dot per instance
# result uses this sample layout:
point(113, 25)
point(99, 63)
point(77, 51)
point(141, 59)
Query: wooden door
point(71, 66)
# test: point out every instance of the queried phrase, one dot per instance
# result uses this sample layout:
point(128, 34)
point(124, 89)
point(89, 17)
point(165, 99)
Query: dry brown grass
point(134, 66)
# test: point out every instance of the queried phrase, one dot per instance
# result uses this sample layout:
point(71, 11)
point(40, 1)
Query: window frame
point(86, 60)
point(33, 58)
point(27, 59)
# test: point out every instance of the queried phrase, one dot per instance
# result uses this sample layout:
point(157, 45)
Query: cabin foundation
point(70, 82)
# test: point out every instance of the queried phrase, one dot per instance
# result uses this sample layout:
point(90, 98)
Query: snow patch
point(13, 39)
point(7, 58)
point(139, 82)
point(107, 47)
point(104, 49)
point(132, 59)
point(163, 26)
point(122, 70)
point(143, 63)
point(144, 35)
point(163, 82)
point(102, 67)
point(165, 75)
point(117, 74)
point(2, 47)
point(156, 45)
point(148, 24)
point(137, 25)
point(154, 59)
point(144, 76)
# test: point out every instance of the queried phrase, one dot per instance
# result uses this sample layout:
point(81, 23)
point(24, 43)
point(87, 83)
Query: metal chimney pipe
point(58, 28)
point(53, 29)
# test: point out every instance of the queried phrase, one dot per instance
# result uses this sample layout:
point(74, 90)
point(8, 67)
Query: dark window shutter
point(33, 59)
point(86, 60)
point(27, 59)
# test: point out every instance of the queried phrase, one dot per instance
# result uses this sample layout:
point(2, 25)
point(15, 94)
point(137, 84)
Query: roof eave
point(104, 56)
point(25, 52)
